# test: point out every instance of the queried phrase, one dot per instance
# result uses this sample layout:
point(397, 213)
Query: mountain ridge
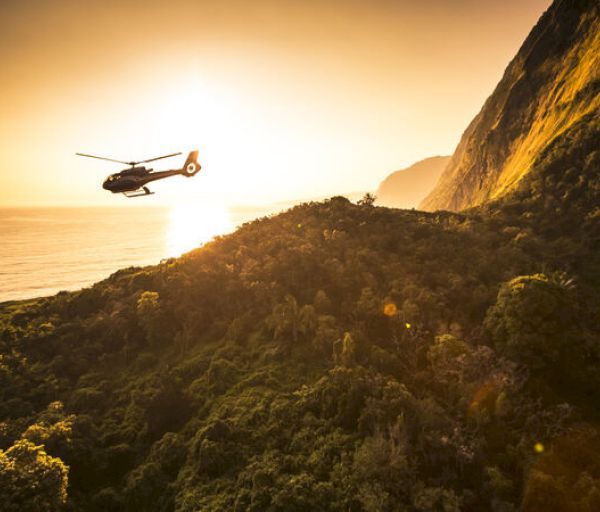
point(406, 188)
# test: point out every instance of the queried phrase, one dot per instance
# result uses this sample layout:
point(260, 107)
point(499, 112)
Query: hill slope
point(408, 187)
point(339, 356)
point(552, 84)
point(334, 357)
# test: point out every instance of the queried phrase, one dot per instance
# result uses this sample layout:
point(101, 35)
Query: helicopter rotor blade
point(158, 158)
point(104, 158)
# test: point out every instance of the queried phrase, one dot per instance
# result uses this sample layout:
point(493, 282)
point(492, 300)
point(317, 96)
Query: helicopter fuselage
point(135, 178)
point(132, 182)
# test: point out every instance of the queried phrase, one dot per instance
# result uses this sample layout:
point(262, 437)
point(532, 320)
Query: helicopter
point(132, 182)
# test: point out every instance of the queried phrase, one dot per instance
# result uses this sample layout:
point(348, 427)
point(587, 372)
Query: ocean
point(47, 250)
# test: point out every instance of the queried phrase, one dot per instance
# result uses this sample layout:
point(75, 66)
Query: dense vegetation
point(338, 356)
point(334, 357)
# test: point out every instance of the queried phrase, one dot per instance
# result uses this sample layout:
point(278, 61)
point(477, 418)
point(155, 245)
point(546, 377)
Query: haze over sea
point(47, 250)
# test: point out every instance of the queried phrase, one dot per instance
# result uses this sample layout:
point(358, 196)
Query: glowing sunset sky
point(284, 99)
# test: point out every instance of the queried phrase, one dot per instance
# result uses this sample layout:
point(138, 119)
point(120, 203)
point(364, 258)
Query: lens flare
point(390, 309)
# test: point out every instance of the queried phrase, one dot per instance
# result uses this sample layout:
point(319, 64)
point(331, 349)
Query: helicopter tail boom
point(191, 165)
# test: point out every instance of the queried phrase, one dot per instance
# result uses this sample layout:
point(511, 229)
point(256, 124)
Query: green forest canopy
point(333, 357)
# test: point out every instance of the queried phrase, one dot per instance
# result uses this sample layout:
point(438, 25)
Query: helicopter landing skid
point(138, 193)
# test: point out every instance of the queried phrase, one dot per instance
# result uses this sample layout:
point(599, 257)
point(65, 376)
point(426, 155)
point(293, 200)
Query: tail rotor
point(191, 166)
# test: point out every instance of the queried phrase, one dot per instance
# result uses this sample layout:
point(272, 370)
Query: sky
point(284, 99)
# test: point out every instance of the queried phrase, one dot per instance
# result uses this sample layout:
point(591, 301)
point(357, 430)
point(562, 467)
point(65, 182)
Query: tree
point(367, 200)
point(348, 355)
point(322, 303)
point(307, 321)
point(150, 316)
point(445, 349)
point(31, 480)
point(285, 318)
point(535, 321)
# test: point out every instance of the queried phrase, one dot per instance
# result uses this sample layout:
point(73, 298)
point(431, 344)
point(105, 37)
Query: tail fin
point(191, 165)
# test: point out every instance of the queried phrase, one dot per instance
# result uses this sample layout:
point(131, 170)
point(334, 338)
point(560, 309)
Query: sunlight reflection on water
point(191, 225)
point(46, 250)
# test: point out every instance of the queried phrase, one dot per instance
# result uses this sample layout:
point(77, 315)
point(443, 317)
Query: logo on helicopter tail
point(191, 165)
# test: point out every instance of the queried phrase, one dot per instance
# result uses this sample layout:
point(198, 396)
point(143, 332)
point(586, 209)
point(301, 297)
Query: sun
point(192, 225)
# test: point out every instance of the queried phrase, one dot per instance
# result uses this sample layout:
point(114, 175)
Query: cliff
point(551, 85)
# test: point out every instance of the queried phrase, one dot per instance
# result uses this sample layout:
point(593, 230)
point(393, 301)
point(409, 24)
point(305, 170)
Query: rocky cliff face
point(408, 187)
point(552, 85)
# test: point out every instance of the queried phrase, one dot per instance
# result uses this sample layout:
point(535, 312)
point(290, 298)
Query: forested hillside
point(345, 357)
point(333, 357)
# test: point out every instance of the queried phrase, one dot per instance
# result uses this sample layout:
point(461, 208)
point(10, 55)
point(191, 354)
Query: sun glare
point(191, 225)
